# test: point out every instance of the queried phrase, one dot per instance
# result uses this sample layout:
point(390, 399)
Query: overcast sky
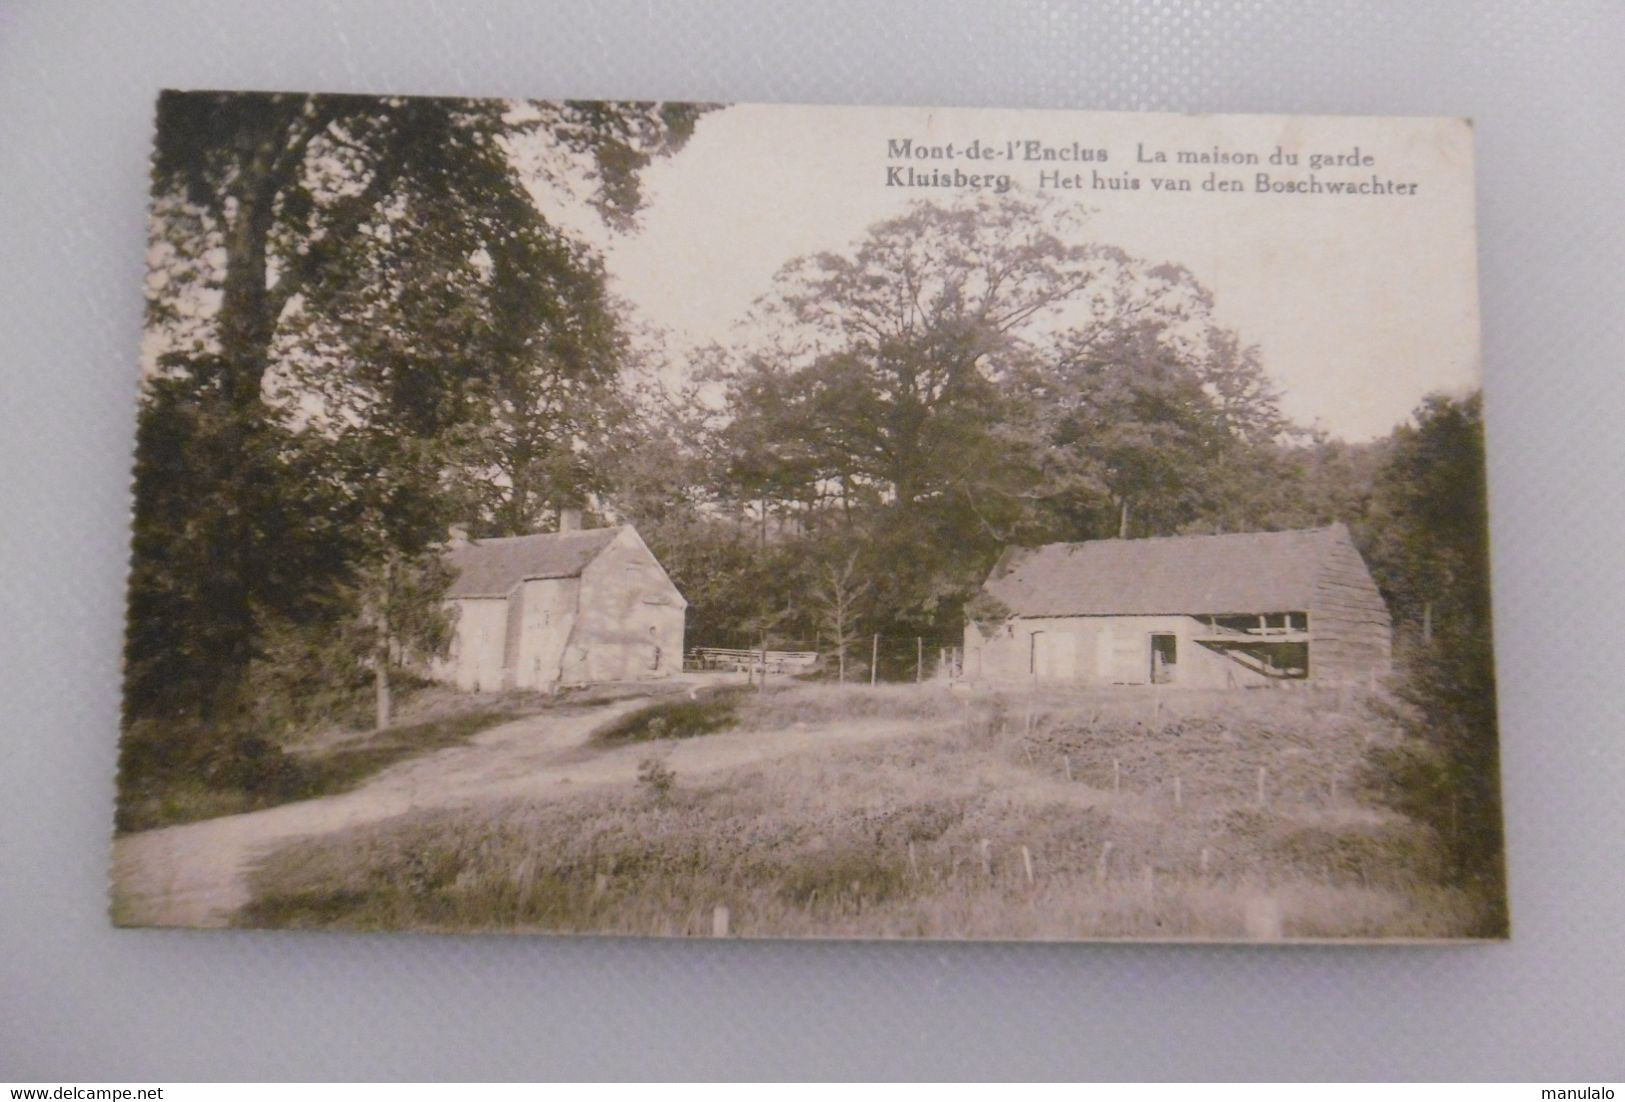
point(1361, 304)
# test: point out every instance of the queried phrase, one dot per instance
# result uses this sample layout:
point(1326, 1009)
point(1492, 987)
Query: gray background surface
point(81, 1001)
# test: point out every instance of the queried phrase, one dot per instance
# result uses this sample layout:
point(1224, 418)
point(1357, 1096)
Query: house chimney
point(457, 535)
point(569, 520)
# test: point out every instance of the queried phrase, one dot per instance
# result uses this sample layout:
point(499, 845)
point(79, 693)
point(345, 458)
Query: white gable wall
point(629, 620)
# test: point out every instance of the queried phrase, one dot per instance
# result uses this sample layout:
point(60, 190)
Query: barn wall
point(1096, 650)
point(629, 619)
point(1350, 630)
point(474, 663)
point(546, 610)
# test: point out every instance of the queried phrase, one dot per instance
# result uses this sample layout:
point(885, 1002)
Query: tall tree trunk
point(1122, 521)
point(380, 682)
point(380, 663)
point(245, 328)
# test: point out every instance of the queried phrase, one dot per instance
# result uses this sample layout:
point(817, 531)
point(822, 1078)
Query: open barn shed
point(1238, 610)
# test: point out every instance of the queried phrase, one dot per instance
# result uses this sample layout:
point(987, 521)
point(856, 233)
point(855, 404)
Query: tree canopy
point(968, 376)
point(352, 298)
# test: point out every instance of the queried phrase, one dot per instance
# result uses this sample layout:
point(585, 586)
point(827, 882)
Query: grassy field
point(1111, 814)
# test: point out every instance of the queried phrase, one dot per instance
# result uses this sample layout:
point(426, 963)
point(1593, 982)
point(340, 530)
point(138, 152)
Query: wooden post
point(1027, 862)
point(1067, 759)
point(719, 921)
point(874, 658)
point(762, 687)
point(1260, 786)
point(919, 660)
point(1117, 775)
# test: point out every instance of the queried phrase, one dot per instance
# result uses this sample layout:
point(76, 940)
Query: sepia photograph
point(758, 521)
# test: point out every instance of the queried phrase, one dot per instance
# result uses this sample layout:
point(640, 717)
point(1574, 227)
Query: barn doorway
point(1164, 658)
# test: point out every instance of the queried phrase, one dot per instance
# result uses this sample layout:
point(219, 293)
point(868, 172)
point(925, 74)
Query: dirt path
point(195, 874)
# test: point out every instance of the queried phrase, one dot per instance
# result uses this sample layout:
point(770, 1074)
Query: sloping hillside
point(1114, 814)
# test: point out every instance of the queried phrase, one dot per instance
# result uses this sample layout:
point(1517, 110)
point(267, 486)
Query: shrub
point(705, 712)
point(656, 777)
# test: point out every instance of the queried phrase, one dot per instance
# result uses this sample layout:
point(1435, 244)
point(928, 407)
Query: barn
point(1234, 611)
point(571, 607)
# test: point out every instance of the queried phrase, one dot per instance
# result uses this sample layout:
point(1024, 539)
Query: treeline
point(369, 328)
point(964, 378)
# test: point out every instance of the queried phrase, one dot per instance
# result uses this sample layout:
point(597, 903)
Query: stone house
point(571, 607)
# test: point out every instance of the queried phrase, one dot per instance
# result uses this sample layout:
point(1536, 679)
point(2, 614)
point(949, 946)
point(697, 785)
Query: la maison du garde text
point(997, 166)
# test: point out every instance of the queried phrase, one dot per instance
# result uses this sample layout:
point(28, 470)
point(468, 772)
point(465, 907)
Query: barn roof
point(490, 568)
point(1246, 572)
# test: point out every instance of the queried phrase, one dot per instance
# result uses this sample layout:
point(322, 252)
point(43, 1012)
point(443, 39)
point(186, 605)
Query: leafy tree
point(1430, 551)
point(887, 359)
point(1153, 419)
point(551, 397)
point(182, 624)
point(838, 592)
point(1133, 424)
point(271, 214)
point(885, 399)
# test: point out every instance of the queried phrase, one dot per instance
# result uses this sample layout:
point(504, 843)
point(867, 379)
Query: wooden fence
point(729, 658)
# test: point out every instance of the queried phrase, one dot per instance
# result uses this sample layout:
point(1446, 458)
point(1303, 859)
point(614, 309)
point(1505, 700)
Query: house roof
point(490, 568)
point(1243, 573)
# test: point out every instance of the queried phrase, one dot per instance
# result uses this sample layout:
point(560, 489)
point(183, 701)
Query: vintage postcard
point(769, 521)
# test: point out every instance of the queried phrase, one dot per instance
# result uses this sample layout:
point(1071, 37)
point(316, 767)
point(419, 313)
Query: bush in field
point(703, 713)
point(656, 777)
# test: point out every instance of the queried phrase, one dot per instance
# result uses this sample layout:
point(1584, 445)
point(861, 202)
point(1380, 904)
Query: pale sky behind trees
point(1361, 304)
